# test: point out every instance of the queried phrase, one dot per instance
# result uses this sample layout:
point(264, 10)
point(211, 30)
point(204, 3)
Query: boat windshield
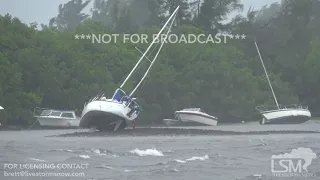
point(45, 113)
point(67, 115)
point(55, 113)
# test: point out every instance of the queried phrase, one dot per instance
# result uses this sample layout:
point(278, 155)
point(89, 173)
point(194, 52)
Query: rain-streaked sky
point(41, 11)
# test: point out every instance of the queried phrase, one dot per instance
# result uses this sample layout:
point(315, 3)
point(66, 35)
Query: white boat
point(56, 118)
point(121, 110)
point(196, 116)
point(291, 114)
point(110, 114)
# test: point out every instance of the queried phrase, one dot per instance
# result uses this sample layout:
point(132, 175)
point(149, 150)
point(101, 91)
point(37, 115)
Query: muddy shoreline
point(175, 132)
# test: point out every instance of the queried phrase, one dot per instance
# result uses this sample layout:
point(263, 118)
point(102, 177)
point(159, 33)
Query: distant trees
point(49, 68)
point(212, 14)
point(70, 15)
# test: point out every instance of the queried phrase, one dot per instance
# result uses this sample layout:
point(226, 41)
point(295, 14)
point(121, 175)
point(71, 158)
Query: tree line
point(48, 67)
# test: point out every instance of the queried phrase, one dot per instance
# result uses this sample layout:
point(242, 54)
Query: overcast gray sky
point(41, 11)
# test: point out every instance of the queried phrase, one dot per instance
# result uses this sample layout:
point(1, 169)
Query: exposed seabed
point(165, 131)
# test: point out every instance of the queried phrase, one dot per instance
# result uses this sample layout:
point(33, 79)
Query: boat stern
point(106, 115)
point(286, 116)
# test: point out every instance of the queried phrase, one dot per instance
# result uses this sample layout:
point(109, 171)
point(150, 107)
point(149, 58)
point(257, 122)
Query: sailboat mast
point(145, 75)
point(274, 96)
point(154, 59)
point(156, 38)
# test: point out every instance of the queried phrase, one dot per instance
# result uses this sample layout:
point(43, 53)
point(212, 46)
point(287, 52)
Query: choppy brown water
point(219, 157)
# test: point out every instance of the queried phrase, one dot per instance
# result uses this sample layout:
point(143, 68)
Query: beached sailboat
point(291, 114)
point(122, 109)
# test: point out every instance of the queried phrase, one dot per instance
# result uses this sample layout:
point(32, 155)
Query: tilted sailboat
point(291, 114)
point(122, 109)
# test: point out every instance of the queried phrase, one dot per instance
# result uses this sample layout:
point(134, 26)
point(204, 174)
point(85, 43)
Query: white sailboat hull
point(196, 118)
point(285, 116)
point(106, 115)
point(58, 122)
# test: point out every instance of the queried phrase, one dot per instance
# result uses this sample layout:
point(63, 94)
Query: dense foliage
point(50, 68)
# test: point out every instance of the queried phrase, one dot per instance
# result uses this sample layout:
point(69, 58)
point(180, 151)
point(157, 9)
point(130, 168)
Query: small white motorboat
point(196, 116)
point(291, 114)
point(51, 118)
point(121, 110)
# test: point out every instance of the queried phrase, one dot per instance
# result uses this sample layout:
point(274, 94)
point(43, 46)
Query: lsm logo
point(293, 164)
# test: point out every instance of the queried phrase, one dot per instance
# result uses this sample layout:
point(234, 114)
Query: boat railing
point(38, 111)
point(98, 97)
point(41, 111)
point(263, 108)
point(294, 106)
point(133, 104)
point(192, 109)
